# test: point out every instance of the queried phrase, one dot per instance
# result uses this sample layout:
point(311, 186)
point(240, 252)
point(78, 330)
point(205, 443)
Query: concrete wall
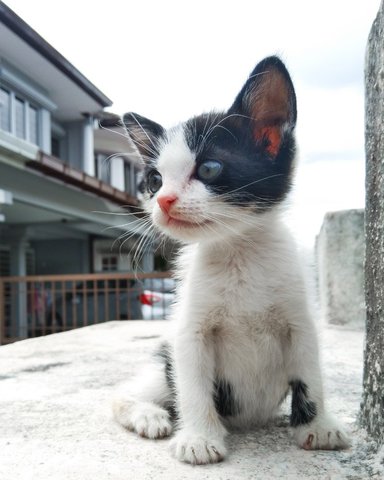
point(372, 406)
point(340, 260)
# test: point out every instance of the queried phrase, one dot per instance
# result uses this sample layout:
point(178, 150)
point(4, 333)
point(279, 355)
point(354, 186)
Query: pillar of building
point(88, 146)
point(18, 268)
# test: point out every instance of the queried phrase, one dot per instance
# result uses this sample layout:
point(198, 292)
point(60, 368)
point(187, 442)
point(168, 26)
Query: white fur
point(241, 314)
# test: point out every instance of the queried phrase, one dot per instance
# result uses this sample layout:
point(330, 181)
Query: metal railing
point(40, 305)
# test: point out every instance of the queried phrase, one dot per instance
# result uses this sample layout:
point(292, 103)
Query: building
point(63, 160)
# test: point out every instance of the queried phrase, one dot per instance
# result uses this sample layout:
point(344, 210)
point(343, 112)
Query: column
point(88, 146)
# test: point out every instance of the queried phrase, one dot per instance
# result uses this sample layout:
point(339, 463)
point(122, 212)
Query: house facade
point(66, 167)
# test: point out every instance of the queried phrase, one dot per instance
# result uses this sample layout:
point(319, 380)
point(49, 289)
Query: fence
point(39, 305)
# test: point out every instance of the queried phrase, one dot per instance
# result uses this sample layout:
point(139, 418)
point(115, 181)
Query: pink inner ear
point(272, 135)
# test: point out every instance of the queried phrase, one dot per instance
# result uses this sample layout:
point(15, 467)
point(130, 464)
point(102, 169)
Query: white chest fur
point(235, 298)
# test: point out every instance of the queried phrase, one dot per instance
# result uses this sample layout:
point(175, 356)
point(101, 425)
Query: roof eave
point(30, 36)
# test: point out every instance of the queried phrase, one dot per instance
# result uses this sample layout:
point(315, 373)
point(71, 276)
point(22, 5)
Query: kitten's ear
point(269, 99)
point(144, 133)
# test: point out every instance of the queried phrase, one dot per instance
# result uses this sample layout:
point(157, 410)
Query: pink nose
point(166, 201)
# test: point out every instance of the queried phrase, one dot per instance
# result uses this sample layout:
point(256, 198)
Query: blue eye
point(154, 181)
point(209, 170)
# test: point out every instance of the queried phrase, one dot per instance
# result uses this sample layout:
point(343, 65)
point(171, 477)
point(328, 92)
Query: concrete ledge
point(56, 418)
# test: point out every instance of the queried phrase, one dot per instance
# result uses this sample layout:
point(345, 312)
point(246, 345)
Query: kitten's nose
point(166, 201)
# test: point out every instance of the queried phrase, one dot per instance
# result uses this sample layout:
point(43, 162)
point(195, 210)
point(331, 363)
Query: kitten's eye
point(209, 170)
point(154, 181)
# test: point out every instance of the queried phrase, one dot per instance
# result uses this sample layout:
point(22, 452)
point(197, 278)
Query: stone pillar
point(372, 408)
point(340, 260)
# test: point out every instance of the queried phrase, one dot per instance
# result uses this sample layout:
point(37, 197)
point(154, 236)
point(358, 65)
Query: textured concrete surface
point(56, 422)
point(373, 405)
point(340, 250)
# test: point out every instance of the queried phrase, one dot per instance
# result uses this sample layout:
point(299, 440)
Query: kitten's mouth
point(179, 223)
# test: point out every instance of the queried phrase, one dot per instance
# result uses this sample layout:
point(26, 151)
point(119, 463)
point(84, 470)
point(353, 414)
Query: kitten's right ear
point(144, 133)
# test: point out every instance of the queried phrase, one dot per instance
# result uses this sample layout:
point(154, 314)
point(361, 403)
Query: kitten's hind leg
point(143, 405)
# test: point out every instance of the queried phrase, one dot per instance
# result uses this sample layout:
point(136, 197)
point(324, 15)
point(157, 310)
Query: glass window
point(131, 179)
point(5, 110)
point(127, 171)
point(19, 118)
point(16, 114)
point(109, 263)
point(103, 168)
point(32, 119)
point(55, 147)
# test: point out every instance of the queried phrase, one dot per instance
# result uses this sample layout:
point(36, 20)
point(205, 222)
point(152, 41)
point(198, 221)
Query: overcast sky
point(169, 60)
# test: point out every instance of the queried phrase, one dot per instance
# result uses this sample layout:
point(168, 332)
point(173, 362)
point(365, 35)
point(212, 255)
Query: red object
point(149, 299)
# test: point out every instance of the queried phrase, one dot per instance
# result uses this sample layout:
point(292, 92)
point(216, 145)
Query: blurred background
point(69, 69)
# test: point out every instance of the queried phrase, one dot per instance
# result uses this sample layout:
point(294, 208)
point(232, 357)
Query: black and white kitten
point(243, 333)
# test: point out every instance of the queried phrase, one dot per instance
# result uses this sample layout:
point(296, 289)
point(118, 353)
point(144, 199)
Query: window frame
point(19, 117)
point(8, 112)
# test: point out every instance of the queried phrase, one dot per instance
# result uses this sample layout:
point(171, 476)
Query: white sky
point(169, 60)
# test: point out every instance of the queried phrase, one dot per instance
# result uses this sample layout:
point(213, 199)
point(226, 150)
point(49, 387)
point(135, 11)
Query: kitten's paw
point(322, 433)
point(198, 449)
point(146, 419)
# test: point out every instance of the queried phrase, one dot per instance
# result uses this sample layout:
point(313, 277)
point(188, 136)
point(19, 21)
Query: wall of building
point(66, 256)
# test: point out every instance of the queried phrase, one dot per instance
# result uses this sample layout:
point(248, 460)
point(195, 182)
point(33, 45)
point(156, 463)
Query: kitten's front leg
point(200, 439)
point(313, 427)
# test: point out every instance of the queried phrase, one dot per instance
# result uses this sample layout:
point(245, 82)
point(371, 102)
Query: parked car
point(95, 302)
point(157, 297)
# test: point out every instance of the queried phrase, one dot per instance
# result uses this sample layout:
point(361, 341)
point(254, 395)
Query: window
point(103, 168)
point(5, 101)
point(109, 263)
point(33, 124)
point(131, 179)
point(55, 147)
point(18, 116)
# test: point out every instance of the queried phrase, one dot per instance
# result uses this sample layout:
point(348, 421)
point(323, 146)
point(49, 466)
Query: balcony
point(53, 167)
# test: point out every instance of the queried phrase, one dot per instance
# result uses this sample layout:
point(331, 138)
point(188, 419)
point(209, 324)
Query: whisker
point(251, 183)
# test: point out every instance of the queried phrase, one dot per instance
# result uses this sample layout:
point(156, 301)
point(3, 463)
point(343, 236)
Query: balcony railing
point(40, 305)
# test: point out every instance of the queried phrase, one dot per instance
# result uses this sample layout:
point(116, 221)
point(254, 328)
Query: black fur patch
point(303, 409)
point(225, 403)
point(223, 396)
point(164, 354)
point(250, 177)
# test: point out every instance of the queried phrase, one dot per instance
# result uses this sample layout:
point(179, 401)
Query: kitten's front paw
point(198, 449)
point(146, 419)
point(322, 433)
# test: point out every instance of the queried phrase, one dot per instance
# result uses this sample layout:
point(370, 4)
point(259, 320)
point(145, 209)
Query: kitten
point(243, 333)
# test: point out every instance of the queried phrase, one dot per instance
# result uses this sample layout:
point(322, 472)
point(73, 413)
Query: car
point(157, 298)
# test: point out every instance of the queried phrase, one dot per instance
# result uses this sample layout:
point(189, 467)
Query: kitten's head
point(217, 174)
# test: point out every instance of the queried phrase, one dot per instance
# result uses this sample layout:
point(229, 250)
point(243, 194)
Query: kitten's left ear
point(269, 99)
